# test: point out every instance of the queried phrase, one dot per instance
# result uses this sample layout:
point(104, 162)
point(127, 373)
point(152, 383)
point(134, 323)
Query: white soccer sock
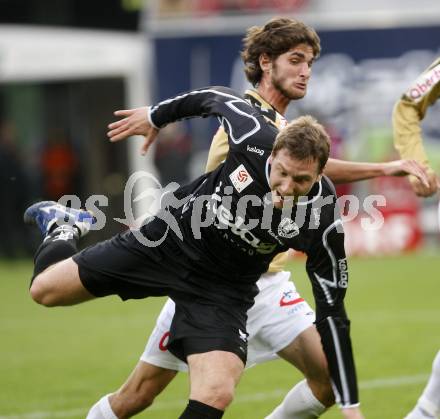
point(428, 405)
point(299, 403)
point(102, 410)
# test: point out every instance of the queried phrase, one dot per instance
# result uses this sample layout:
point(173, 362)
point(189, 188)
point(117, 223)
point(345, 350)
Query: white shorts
point(278, 316)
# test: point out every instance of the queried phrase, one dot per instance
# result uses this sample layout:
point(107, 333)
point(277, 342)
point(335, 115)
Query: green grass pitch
point(57, 362)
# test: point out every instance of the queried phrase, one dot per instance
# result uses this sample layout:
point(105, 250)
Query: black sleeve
point(327, 269)
point(239, 119)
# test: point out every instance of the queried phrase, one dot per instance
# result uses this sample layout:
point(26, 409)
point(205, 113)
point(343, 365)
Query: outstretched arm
point(342, 171)
point(409, 144)
point(220, 101)
point(408, 113)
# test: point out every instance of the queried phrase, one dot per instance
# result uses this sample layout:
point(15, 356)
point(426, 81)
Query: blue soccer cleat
point(46, 214)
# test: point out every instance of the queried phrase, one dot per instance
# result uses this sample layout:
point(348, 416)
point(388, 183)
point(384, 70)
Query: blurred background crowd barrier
point(62, 74)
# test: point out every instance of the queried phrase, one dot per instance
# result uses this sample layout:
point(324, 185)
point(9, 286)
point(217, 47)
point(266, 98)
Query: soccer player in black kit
point(265, 198)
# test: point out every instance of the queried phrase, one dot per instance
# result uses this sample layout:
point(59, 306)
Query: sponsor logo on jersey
point(254, 149)
point(288, 228)
point(343, 273)
point(240, 178)
point(290, 298)
point(424, 84)
point(225, 218)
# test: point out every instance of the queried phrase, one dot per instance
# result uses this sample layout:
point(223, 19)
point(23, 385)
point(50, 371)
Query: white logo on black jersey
point(288, 228)
point(255, 150)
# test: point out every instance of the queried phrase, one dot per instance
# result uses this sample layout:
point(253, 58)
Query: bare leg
point(309, 398)
point(213, 377)
point(139, 391)
point(306, 354)
point(59, 285)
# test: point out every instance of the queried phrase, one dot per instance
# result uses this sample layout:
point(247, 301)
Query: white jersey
point(278, 316)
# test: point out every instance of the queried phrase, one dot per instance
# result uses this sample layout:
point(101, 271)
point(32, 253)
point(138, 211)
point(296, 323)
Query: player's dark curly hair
point(304, 138)
point(275, 38)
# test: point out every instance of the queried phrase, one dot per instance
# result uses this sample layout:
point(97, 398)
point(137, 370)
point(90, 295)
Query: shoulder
point(328, 187)
point(327, 206)
point(224, 91)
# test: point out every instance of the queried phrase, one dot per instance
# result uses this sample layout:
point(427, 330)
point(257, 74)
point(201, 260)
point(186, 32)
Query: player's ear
point(265, 62)
point(271, 158)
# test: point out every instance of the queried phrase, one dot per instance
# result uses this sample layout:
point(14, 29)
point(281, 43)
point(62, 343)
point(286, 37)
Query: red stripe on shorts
point(291, 302)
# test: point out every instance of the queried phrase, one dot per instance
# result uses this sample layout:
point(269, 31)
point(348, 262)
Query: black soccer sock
point(199, 410)
point(58, 245)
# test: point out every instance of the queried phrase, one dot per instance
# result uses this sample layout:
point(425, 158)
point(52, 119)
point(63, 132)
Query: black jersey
point(229, 229)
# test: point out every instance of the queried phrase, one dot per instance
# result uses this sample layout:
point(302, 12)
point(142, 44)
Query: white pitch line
point(403, 380)
point(245, 398)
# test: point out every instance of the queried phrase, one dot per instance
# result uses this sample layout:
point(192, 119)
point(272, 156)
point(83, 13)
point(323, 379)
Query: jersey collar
point(265, 108)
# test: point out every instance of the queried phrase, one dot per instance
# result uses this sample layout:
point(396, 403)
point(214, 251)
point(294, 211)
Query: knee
point(224, 397)
point(40, 293)
point(217, 395)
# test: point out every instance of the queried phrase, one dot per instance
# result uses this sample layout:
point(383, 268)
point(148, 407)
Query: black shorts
point(124, 267)
point(208, 315)
point(200, 326)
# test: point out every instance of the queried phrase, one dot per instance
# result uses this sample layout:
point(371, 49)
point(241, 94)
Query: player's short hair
point(304, 138)
point(276, 37)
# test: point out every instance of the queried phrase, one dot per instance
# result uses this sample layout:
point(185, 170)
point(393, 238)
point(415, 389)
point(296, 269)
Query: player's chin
point(297, 93)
